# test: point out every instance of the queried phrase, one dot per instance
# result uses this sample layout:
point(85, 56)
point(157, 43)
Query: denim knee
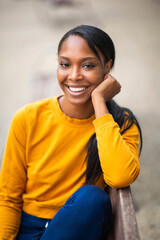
point(86, 215)
point(91, 197)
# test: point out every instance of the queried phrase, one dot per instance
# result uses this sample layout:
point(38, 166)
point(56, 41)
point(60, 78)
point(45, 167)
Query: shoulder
point(40, 105)
point(38, 108)
point(32, 111)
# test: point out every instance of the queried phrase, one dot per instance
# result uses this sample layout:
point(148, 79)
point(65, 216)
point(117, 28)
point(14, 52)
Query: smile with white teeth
point(77, 89)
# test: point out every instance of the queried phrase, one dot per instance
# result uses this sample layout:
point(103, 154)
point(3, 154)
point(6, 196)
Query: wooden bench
point(124, 224)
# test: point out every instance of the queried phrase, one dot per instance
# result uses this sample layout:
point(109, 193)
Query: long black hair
point(98, 39)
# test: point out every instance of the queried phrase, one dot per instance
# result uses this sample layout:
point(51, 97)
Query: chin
point(80, 101)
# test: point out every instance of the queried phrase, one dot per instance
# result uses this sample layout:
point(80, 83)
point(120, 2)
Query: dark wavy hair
point(98, 39)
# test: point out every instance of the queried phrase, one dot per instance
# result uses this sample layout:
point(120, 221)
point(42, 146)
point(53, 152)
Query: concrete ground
point(30, 31)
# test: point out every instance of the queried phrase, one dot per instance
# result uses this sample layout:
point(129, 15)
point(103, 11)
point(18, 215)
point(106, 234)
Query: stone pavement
point(30, 31)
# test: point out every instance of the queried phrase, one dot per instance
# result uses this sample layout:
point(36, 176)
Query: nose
point(75, 74)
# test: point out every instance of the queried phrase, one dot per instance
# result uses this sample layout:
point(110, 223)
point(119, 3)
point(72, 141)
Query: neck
point(82, 111)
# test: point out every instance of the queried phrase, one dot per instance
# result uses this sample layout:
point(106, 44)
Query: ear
point(108, 66)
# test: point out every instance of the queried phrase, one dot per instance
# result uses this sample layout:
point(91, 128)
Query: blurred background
point(29, 34)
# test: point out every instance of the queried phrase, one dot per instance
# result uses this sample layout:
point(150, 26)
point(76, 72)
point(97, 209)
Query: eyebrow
point(83, 59)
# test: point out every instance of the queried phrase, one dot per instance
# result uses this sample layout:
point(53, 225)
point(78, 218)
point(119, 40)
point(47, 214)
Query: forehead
point(76, 45)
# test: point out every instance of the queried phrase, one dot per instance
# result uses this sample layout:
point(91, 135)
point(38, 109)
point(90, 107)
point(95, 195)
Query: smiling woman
point(62, 152)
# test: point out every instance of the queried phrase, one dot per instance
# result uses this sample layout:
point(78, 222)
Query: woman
point(62, 152)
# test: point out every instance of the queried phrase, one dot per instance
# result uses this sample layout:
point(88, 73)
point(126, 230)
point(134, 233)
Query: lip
point(78, 93)
point(76, 86)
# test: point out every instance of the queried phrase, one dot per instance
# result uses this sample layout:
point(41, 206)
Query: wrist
point(96, 98)
point(99, 105)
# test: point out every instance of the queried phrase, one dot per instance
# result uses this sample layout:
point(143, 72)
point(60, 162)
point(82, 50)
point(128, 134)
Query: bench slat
point(124, 224)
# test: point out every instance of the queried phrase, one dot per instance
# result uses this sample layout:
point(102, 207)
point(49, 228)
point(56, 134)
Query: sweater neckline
point(63, 118)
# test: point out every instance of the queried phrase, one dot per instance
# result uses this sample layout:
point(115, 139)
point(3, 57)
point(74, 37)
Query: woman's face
point(79, 70)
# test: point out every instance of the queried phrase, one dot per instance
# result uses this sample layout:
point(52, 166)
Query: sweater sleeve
point(118, 153)
point(13, 178)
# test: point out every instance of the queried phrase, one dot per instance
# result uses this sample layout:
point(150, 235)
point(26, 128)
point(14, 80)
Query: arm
point(103, 93)
point(118, 154)
point(13, 178)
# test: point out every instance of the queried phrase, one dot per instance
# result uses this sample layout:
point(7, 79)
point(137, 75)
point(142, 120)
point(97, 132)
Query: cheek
point(60, 75)
point(98, 77)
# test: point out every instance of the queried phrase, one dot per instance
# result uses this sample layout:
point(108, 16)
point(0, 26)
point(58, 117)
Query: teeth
point(77, 89)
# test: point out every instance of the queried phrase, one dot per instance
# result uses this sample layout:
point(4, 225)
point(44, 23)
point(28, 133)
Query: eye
point(88, 65)
point(64, 64)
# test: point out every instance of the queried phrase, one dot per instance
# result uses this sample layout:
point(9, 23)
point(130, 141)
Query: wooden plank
point(124, 224)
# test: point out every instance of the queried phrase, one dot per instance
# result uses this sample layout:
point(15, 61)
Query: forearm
point(9, 222)
point(118, 154)
point(10, 203)
point(99, 105)
point(13, 179)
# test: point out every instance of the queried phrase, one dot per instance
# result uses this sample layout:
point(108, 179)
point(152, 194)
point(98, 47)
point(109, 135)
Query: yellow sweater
point(44, 160)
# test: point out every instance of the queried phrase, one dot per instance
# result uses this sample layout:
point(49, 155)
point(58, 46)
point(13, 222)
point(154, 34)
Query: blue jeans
point(86, 215)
